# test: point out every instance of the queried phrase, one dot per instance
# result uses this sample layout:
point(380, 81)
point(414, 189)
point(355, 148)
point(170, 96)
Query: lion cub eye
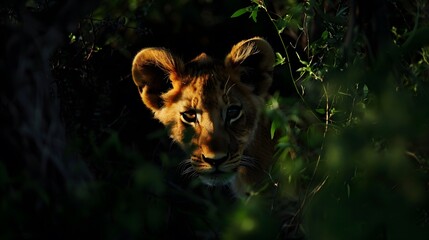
point(233, 113)
point(189, 116)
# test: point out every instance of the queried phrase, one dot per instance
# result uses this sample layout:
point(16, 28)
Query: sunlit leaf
point(274, 127)
point(72, 38)
point(280, 60)
point(240, 12)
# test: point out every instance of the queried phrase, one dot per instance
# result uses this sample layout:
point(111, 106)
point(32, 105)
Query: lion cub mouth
point(214, 172)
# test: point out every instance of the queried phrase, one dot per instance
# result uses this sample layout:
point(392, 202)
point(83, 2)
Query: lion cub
point(213, 109)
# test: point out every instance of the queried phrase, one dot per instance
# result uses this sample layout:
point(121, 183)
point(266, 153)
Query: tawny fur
point(219, 103)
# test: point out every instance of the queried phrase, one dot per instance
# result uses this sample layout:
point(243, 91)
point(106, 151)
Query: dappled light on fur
point(194, 99)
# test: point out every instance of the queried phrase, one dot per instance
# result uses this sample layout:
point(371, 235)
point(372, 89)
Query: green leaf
point(274, 127)
point(240, 12)
point(365, 91)
point(254, 14)
point(72, 38)
point(280, 60)
point(333, 111)
point(320, 110)
point(325, 35)
point(252, 9)
point(281, 24)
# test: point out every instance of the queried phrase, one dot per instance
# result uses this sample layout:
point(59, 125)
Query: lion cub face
point(211, 108)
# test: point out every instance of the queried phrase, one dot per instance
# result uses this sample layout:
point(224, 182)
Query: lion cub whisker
point(251, 162)
point(227, 99)
point(185, 167)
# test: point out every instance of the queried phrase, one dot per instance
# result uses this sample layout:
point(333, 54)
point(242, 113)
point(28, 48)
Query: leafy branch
point(280, 25)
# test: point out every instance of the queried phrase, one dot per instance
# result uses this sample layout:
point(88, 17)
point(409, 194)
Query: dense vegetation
point(82, 157)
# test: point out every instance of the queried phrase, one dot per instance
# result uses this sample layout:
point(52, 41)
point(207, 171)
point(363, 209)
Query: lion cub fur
point(219, 104)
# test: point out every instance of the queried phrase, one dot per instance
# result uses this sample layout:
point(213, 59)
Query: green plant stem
point(262, 5)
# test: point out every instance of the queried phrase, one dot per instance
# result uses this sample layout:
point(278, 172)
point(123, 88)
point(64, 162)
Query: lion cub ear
point(155, 71)
point(254, 60)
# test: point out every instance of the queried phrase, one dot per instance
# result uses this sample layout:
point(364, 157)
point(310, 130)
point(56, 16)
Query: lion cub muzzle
point(216, 163)
point(215, 160)
point(212, 108)
point(216, 170)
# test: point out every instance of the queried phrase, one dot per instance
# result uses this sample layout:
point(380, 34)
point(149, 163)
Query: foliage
point(368, 178)
point(86, 160)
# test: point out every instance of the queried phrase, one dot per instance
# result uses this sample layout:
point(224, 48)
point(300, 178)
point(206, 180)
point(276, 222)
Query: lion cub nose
point(215, 160)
